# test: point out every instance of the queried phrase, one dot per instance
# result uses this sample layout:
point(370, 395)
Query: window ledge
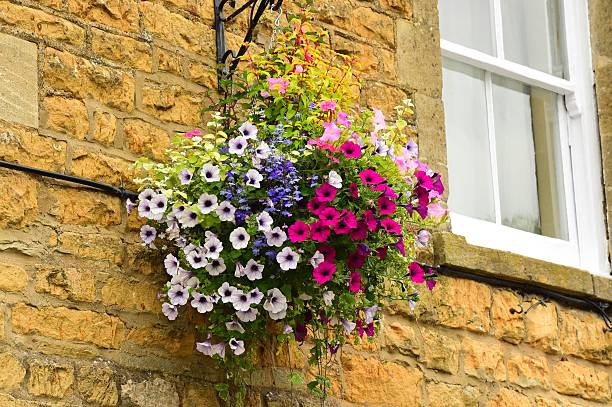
point(452, 250)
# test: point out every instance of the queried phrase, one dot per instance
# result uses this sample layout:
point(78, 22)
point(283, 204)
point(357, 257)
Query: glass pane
point(469, 164)
point(528, 154)
point(467, 22)
point(533, 34)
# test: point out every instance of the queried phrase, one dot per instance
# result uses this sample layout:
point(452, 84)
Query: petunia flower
point(343, 120)
point(158, 204)
point(319, 232)
point(226, 211)
point(276, 302)
point(324, 272)
point(278, 315)
point(178, 295)
point(347, 222)
point(412, 148)
point(315, 205)
point(370, 220)
point(287, 259)
point(171, 264)
point(207, 203)
point(326, 192)
point(360, 232)
point(225, 292)
point(378, 120)
point(329, 216)
point(275, 237)
point(170, 311)
point(255, 296)
point(240, 300)
point(185, 176)
point(236, 346)
point(130, 206)
point(234, 326)
point(253, 270)
point(205, 348)
point(331, 132)
point(329, 253)
point(144, 211)
point(350, 149)
point(253, 178)
point(390, 226)
point(219, 349)
point(317, 259)
point(328, 105)
point(334, 179)
point(354, 190)
point(196, 258)
point(355, 260)
point(400, 246)
point(298, 232)
point(192, 133)
point(386, 190)
point(188, 218)
point(279, 85)
point(247, 316)
point(213, 247)
point(349, 326)
point(238, 145)
point(202, 303)
point(210, 173)
point(381, 252)
point(264, 221)
point(262, 151)
point(248, 130)
point(355, 282)
point(381, 149)
point(436, 210)
point(239, 238)
point(417, 275)
point(148, 234)
point(146, 195)
point(386, 206)
point(216, 266)
point(370, 177)
point(422, 238)
point(328, 298)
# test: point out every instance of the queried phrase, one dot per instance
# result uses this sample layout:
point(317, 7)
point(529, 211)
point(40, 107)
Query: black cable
point(124, 194)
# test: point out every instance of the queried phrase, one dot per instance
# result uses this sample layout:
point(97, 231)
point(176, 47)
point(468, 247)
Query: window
point(523, 153)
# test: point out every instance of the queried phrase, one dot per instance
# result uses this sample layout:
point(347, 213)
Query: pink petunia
point(355, 282)
point(385, 189)
point(298, 232)
point(328, 105)
point(370, 177)
point(436, 210)
point(315, 205)
point(378, 120)
point(319, 232)
point(193, 133)
point(298, 69)
point(361, 232)
point(370, 220)
point(331, 133)
point(355, 260)
point(278, 84)
point(329, 216)
point(324, 272)
point(328, 252)
point(417, 275)
point(390, 226)
point(326, 193)
point(347, 222)
point(354, 190)
point(350, 149)
point(343, 120)
point(322, 145)
point(386, 206)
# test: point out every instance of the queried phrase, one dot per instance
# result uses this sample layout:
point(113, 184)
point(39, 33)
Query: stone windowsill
point(453, 251)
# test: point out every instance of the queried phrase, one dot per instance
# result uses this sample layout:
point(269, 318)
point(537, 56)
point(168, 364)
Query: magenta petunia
point(386, 206)
point(326, 193)
point(328, 252)
point(354, 190)
point(350, 149)
point(370, 177)
point(431, 284)
point(328, 105)
point(329, 216)
point(324, 272)
point(400, 246)
point(319, 232)
point(424, 180)
point(298, 232)
point(193, 133)
point(382, 252)
point(417, 275)
point(355, 282)
point(355, 260)
point(347, 222)
point(361, 232)
point(370, 220)
point(315, 205)
point(391, 226)
point(386, 190)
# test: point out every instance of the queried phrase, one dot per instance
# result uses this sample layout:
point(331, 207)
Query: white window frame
point(587, 246)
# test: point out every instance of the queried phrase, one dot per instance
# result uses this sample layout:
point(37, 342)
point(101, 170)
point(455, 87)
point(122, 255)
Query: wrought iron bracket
point(227, 60)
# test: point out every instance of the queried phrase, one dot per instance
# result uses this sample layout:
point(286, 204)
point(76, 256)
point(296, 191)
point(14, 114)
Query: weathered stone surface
point(544, 402)
point(144, 260)
point(100, 167)
point(12, 372)
point(176, 29)
point(18, 79)
point(6, 400)
point(202, 74)
point(430, 122)
point(121, 14)
point(483, 360)
point(528, 372)
point(401, 337)
point(66, 283)
point(453, 250)
point(83, 79)
point(93, 246)
point(200, 395)
point(577, 380)
point(143, 138)
point(105, 127)
point(12, 278)
point(365, 377)
point(404, 7)
point(97, 385)
point(452, 395)
point(17, 187)
point(2, 323)
point(68, 324)
point(508, 398)
point(79, 207)
point(383, 97)
point(364, 55)
point(172, 103)
point(440, 352)
point(151, 393)
point(582, 334)
point(41, 24)
point(68, 116)
point(602, 287)
point(168, 61)
point(50, 379)
point(24, 146)
point(542, 328)
point(507, 326)
point(599, 15)
point(167, 339)
point(131, 294)
point(124, 50)
point(200, 8)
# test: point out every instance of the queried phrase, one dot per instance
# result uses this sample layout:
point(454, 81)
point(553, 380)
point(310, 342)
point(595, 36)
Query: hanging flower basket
point(296, 214)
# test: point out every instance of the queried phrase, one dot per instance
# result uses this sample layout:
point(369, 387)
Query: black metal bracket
point(227, 60)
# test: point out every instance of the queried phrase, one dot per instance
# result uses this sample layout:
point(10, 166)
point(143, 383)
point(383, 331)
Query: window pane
point(467, 22)
point(469, 165)
point(532, 34)
point(529, 169)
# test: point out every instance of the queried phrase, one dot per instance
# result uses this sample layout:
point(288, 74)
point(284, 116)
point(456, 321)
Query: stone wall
point(79, 321)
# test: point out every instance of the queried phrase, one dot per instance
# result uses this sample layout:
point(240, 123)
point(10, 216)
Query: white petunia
point(181, 277)
point(226, 211)
point(278, 315)
point(185, 176)
point(264, 221)
point(239, 271)
point(147, 234)
point(238, 145)
point(255, 296)
point(253, 178)
point(328, 297)
point(173, 231)
point(216, 266)
point(188, 218)
point(247, 316)
point(262, 151)
point(248, 130)
point(210, 173)
point(145, 211)
point(178, 295)
point(159, 203)
point(253, 270)
point(275, 237)
point(236, 346)
point(226, 291)
point(146, 195)
point(171, 264)
point(240, 300)
point(192, 282)
point(287, 259)
point(239, 238)
point(202, 303)
point(317, 259)
point(196, 258)
point(334, 179)
point(205, 347)
point(349, 326)
point(207, 203)
point(213, 247)
point(170, 311)
point(234, 326)
point(276, 301)
point(381, 149)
